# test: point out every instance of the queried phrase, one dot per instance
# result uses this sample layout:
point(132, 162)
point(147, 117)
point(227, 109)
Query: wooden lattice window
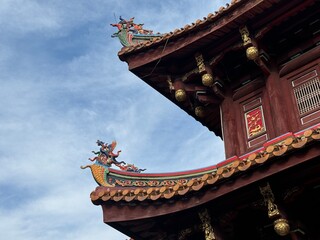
point(307, 92)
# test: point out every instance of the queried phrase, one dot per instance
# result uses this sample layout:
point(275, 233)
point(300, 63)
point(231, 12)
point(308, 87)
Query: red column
point(279, 109)
point(229, 127)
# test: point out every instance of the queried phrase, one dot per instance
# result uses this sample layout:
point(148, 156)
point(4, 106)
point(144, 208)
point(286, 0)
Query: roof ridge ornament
point(130, 33)
point(104, 159)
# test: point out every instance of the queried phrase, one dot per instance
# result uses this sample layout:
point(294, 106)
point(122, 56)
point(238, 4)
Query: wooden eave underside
point(174, 55)
point(259, 15)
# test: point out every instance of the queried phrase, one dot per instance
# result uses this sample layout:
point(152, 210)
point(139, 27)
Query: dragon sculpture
point(104, 159)
point(130, 33)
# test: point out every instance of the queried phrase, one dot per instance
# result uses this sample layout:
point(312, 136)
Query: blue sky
point(62, 88)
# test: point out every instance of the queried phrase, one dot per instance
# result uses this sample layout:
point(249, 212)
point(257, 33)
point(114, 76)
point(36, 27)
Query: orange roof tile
point(222, 171)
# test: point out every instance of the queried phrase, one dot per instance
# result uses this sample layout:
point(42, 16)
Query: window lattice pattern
point(308, 95)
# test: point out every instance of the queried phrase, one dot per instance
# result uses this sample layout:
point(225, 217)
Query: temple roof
point(140, 187)
point(129, 187)
point(186, 29)
point(168, 63)
point(285, 154)
point(219, 23)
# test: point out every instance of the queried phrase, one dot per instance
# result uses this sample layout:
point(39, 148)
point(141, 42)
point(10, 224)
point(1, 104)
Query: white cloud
point(27, 16)
point(62, 88)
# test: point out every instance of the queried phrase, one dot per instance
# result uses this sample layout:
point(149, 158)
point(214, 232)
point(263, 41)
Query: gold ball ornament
point(200, 111)
point(180, 95)
point(281, 226)
point(207, 79)
point(252, 53)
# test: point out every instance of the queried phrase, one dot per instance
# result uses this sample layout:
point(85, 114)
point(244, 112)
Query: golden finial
point(180, 95)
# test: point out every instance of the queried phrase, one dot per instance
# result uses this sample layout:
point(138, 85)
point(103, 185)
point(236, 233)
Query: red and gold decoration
point(280, 225)
point(252, 51)
point(255, 124)
point(207, 78)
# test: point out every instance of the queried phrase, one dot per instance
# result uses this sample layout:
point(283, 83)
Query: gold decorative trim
point(269, 201)
point(281, 227)
point(252, 51)
point(245, 35)
point(206, 225)
point(200, 62)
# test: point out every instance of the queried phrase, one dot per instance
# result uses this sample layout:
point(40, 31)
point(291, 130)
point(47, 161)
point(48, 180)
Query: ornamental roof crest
point(104, 159)
point(130, 33)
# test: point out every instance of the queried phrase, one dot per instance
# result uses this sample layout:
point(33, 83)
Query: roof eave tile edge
point(125, 51)
point(289, 144)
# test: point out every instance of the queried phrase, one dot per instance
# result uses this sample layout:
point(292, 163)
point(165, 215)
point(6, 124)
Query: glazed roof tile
point(284, 144)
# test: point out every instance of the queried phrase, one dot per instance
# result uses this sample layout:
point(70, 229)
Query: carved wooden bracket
point(269, 201)
point(206, 225)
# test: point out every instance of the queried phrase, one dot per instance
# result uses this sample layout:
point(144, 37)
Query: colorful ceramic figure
point(130, 33)
point(105, 156)
point(104, 159)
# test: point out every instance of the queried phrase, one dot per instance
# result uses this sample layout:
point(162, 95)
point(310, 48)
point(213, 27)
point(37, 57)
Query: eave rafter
point(192, 95)
point(283, 15)
point(224, 21)
point(224, 24)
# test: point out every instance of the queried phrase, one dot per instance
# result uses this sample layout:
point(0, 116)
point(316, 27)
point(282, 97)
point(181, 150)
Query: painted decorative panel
point(255, 123)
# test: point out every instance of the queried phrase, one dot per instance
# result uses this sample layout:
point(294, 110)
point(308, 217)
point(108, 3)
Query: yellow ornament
point(200, 111)
point(281, 226)
point(252, 53)
point(207, 79)
point(181, 95)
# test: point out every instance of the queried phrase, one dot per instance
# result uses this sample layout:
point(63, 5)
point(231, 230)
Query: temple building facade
point(249, 73)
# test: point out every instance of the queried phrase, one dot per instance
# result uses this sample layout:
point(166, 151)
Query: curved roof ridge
point(153, 189)
point(178, 31)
